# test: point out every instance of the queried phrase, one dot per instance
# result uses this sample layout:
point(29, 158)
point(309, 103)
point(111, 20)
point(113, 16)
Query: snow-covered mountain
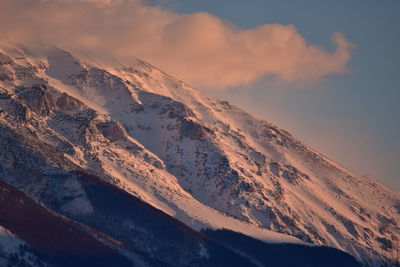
point(95, 138)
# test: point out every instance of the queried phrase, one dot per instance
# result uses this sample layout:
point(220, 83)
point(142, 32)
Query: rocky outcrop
point(112, 130)
point(37, 98)
point(155, 137)
point(66, 102)
point(165, 105)
point(5, 59)
point(192, 130)
point(14, 108)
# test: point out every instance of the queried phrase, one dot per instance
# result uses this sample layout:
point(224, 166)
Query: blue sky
point(353, 118)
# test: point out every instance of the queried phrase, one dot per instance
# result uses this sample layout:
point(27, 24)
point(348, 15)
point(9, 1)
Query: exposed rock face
point(68, 103)
point(14, 108)
point(36, 97)
point(288, 172)
point(154, 137)
point(165, 105)
point(5, 59)
point(192, 130)
point(112, 130)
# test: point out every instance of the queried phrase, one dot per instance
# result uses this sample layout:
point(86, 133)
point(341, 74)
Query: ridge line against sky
point(352, 118)
point(199, 48)
point(273, 58)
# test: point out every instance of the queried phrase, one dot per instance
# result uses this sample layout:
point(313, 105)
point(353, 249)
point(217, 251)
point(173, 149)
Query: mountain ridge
point(197, 154)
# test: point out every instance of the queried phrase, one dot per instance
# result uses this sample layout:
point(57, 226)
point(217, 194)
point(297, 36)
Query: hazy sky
point(327, 71)
point(353, 118)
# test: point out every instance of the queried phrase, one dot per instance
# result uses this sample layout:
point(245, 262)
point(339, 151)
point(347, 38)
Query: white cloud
point(199, 48)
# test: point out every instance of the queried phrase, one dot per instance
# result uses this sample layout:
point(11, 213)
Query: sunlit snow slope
point(203, 161)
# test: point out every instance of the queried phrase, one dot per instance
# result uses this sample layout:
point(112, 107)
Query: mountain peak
point(202, 161)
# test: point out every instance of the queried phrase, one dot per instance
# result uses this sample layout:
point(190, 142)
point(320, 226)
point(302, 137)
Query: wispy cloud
point(199, 48)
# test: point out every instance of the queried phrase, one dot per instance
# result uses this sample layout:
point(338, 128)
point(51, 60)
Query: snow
point(222, 177)
point(16, 249)
point(160, 189)
point(79, 203)
point(8, 242)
